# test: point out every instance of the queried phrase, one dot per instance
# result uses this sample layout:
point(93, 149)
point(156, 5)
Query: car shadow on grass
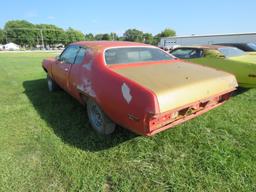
point(239, 91)
point(68, 119)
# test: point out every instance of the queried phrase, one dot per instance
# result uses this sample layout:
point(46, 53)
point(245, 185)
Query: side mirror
point(57, 58)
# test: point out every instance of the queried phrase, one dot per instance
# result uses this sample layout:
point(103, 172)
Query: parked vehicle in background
point(170, 42)
point(247, 47)
point(137, 86)
point(229, 59)
point(11, 47)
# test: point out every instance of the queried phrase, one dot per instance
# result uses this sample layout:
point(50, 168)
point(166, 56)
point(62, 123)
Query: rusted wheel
point(98, 120)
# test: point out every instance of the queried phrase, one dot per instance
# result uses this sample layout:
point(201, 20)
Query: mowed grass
point(46, 143)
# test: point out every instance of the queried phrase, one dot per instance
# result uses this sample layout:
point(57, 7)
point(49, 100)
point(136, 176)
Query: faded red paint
point(94, 79)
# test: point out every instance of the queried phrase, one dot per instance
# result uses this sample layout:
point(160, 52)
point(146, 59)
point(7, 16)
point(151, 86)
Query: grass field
point(46, 143)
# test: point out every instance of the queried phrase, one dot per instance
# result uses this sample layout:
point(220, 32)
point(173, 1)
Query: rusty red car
point(137, 86)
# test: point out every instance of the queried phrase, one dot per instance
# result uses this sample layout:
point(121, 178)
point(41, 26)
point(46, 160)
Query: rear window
point(231, 51)
point(252, 46)
point(135, 55)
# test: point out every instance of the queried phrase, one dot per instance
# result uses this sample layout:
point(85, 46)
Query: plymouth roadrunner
point(137, 86)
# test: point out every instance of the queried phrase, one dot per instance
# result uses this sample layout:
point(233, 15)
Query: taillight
point(160, 121)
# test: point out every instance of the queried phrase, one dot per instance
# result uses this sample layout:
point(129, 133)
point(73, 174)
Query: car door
point(62, 66)
point(80, 72)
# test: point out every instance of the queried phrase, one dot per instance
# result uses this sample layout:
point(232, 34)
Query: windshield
point(187, 53)
point(135, 55)
point(231, 51)
point(252, 46)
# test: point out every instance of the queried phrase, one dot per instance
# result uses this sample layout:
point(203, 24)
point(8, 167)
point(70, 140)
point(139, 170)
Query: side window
point(80, 55)
point(196, 53)
point(69, 55)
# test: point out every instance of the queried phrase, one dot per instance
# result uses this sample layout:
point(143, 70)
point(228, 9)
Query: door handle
point(66, 69)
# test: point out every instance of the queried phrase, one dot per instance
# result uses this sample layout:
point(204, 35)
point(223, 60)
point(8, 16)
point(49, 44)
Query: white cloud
point(50, 17)
point(31, 14)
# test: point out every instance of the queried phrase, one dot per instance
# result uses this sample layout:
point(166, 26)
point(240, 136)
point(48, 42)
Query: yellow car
point(249, 48)
point(229, 59)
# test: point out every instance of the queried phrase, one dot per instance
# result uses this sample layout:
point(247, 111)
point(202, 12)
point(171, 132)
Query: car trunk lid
point(179, 83)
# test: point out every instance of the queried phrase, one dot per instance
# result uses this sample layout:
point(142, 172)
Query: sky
point(186, 17)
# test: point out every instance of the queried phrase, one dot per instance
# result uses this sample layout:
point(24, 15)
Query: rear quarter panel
point(109, 95)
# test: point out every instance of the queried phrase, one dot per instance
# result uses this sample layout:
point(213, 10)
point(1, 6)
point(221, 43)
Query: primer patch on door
point(86, 87)
point(126, 93)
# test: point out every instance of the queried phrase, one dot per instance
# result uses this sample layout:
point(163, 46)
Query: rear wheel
point(98, 120)
point(52, 86)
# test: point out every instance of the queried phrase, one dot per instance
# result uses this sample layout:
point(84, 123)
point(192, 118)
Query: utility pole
point(42, 38)
point(6, 37)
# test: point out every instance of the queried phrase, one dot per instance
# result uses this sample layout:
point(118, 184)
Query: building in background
point(171, 42)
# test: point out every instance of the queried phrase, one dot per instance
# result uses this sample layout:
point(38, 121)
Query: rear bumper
point(203, 106)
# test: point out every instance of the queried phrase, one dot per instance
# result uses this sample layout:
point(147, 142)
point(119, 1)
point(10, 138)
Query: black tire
point(52, 86)
point(98, 120)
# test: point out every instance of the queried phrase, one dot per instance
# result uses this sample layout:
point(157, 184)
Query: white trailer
point(170, 42)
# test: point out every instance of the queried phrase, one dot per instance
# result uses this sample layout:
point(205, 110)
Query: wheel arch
point(45, 69)
point(85, 97)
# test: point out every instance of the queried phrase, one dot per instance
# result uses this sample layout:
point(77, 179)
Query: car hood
point(249, 58)
point(179, 83)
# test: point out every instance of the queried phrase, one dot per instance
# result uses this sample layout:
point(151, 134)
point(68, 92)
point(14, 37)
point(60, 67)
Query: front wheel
point(52, 86)
point(98, 120)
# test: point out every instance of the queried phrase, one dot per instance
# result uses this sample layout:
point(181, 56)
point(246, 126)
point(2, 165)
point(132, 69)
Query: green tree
point(121, 38)
point(106, 37)
point(21, 32)
point(114, 36)
point(133, 35)
point(99, 37)
point(51, 34)
point(2, 36)
point(148, 38)
point(74, 35)
point(89, 37)
point(165, 33)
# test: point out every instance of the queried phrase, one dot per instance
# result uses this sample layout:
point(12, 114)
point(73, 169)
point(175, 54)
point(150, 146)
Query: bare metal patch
point(86, 87)
point(126, 93)
point(88, 65)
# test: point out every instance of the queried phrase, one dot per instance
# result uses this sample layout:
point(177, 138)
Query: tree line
point(29, 35)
